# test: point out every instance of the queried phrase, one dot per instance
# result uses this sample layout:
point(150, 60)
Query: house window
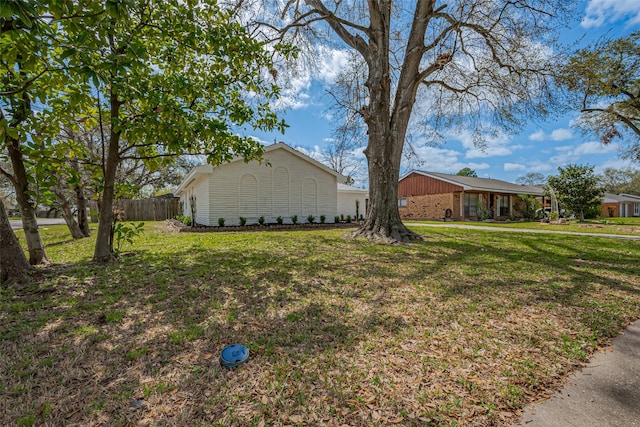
point(636, 209)
point(503, 205)
point(470, 204)
point(402, 202)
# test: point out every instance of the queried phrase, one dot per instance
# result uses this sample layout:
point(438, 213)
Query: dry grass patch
point(462, 329)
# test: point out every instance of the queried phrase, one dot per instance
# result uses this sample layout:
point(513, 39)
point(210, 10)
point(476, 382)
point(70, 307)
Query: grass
point(462, 329)
point(622, 226)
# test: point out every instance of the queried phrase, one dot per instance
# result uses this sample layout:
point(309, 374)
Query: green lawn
point(629, 226)
point(462, 329)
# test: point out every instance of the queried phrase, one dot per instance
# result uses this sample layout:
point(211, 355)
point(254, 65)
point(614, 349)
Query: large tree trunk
point(387, 129)
point(383, 223)
point(20, 181)
point(104, 246)
point(14, 267)
point(37, 253)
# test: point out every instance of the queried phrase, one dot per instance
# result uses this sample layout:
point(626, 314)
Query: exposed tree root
point(394, 235)
point(15, 279)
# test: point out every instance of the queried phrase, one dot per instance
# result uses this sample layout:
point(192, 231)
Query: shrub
point(554, 216)
point(348, 219)
point(592, 212)
point(323, 218)
point(526, 205)
point(310, 219)
point(341, 217)
point(279, 220)
point(185, 219)
point(125, 233)
point(221, 222)
point(261, 220)
point(484, 213)
point(294, 219)
point(243, 220)
point(336, 219)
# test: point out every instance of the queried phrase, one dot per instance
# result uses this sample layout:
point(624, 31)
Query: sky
point(539, 147)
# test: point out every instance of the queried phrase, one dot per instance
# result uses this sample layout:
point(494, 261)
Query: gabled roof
point(206, 169)
point(629, 198)
point(469, 183)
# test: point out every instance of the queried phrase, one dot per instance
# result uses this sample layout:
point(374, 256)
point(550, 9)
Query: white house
point(352, 201)
point(285, 184)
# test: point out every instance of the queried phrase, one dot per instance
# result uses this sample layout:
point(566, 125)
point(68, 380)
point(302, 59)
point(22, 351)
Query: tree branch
point(338, 25)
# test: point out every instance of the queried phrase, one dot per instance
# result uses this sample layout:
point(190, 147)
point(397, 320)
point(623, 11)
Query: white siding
point(290, 186)
point(309, 197)
point(347, 203)
point(200, 190)
point(248, 192)
point(281, 192)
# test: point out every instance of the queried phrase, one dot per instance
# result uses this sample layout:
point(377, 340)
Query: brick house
point(620, 205)
point(435, 196)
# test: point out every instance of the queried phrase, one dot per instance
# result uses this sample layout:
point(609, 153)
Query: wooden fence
point(147, 209)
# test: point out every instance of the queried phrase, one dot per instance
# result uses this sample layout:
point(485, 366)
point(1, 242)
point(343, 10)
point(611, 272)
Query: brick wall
point(605, 209)
point(430, 207)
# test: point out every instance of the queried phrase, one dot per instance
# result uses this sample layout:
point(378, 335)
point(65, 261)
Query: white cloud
point(560, 134)
point(572, 154)
point(595, 147)
point(315, 152)
point(615, 164)
point(537, 135)
point(297, 79)
point(490, 145)
point(332, 62)
point(509, 167)
point(599, 12)
point(565, 148)
point(442, 160)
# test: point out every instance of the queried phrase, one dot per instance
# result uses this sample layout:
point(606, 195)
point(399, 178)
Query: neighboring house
point(436, 196)
point(285, 184)
point(620, 205)
point(352, 201)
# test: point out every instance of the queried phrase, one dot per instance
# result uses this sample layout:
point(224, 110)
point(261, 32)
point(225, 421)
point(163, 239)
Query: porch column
point(510, 199)
point(462, 205)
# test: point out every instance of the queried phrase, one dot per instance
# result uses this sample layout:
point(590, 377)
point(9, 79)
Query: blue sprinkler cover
point(234, 355)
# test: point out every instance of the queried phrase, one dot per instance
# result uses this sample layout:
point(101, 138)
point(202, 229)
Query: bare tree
point(535, 179)
point(472, 62)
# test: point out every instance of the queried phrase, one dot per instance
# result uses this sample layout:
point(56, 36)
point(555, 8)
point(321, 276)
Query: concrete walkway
point(42, 222)
point(604, 393)
point(524, 230)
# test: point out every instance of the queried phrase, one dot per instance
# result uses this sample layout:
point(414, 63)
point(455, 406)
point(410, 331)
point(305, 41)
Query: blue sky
point(539, 147)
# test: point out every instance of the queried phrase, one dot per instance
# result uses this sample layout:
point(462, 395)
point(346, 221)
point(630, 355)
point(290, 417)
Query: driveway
point(17, 224)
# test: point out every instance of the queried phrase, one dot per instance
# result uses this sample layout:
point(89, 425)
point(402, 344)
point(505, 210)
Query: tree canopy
point(471, 63)
point(467, 172)
point(156, 78)
point(621, 181)
point(174, 78)
point(604, 84)
point(577, 188)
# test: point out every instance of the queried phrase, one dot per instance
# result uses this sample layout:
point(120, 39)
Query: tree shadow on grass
point(115, 331)
point(156, 321)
